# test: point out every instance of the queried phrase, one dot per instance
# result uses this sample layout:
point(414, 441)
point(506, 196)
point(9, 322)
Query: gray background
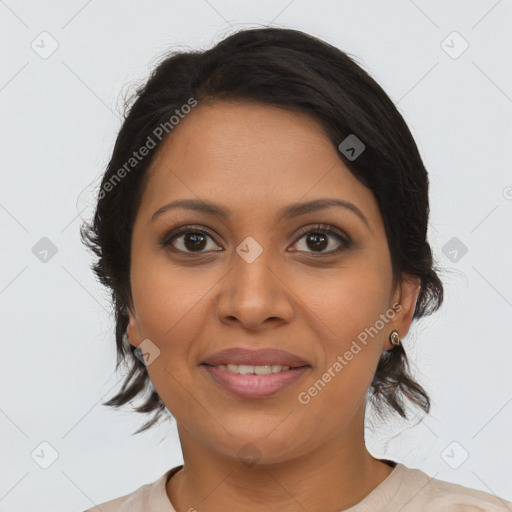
point(60, 113)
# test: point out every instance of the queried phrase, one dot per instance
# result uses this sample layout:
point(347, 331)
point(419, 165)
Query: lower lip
point(255, 386)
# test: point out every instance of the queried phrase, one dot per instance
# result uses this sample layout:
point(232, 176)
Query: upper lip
point(258, 357)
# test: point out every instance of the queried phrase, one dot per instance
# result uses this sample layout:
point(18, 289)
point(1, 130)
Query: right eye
point(188, 240)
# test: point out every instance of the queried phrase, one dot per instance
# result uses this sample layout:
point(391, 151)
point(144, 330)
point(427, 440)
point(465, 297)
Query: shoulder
point(422, 492)
point(151, 496)
point(132, 501)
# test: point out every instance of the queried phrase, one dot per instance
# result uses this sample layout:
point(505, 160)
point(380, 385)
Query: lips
point(259, 357)
point(255, 386)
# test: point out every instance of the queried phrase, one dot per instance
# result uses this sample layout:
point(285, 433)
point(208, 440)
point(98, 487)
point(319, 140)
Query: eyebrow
point(287, 212)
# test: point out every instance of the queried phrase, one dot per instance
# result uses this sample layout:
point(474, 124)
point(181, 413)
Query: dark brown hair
point(292, 70)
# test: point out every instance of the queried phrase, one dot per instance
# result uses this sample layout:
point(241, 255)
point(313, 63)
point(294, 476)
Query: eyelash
point(323, 229)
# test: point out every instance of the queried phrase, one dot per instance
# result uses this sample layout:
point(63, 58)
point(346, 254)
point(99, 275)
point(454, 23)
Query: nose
point(254, 292)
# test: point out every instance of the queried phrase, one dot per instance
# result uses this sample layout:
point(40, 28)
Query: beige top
point(405, 489)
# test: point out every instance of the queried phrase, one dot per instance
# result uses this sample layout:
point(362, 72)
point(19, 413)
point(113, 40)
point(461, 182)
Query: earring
point(394, 338)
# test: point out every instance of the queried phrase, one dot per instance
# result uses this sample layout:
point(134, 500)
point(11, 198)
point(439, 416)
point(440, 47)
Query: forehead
point(252, 157)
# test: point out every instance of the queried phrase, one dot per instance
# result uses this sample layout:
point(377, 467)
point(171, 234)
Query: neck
point(334, 476)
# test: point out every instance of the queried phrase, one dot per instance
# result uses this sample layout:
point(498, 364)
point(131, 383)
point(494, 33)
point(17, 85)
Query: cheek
point(347, 305)
point(164, 294)
point(345, 301)
point(171, 314)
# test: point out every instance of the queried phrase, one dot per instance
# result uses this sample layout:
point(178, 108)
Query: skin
point(253, 160)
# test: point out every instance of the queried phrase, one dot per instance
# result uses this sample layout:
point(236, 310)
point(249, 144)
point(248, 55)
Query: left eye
point(318, 238)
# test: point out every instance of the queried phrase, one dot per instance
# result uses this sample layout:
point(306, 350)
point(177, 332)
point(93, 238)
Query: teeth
point(245, 369)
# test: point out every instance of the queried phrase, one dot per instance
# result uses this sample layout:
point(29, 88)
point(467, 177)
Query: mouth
point(255, 381)
point(252, 369)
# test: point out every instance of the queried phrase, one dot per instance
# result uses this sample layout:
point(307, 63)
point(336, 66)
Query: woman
point(262, 228)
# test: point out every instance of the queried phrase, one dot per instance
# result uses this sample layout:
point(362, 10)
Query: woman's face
point(326, 301)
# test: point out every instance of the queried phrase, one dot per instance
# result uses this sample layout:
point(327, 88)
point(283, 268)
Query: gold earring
point(394, 338)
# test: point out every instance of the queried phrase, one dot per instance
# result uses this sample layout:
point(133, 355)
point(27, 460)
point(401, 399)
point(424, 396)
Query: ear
point(132, 331)
point(406, 295)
